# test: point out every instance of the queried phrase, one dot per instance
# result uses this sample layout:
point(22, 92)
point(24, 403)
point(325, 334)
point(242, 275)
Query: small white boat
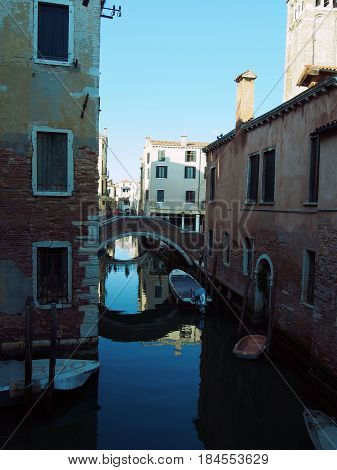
point(322, 429)
point(69, 375)
point(187, 291)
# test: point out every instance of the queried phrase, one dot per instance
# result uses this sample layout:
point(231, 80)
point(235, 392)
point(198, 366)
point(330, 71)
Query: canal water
point(168, 379)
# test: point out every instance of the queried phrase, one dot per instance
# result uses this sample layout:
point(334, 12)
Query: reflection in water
point(168, 380)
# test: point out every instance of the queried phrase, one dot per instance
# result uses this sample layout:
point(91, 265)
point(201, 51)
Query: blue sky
point(168, 69)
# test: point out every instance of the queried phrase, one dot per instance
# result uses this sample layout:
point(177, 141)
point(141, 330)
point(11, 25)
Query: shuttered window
point(212, 185)
point(190, 156)
point(161, 171)
point(210, 242)
point(226, 248)
point(160, 195)
point(268, 180)
point(248, 253)
point(314, 170)
point(190, 197)
point(253, 178)
point(52, 162)
point(53, 32)
point(309, 277)
point(161, 155)
point(190, 172)
point(52, 276)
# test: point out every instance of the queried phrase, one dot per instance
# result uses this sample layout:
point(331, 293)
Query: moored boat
point(70, 374)
point(187, 291)
point(322, 429)
point(250, 347)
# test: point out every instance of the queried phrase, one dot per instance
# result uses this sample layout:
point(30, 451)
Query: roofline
point(278, 112)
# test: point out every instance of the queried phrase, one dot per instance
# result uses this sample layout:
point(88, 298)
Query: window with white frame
point(160, 195)
point(190, 156)
point(54, 32)
point(52, 273)
point(52, 164)
point(161, 155)
point(253, 178)
point(190, 172)
point(161, 172)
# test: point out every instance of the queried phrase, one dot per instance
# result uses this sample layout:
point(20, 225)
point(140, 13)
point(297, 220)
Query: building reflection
point(239, 402)
point(186, 335)
point(153, 283)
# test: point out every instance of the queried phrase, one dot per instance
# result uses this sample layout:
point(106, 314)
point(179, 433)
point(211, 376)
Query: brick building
point(49, 91)
point(272, 198)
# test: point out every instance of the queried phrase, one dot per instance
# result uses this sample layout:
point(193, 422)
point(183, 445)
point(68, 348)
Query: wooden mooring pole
point(52, 355)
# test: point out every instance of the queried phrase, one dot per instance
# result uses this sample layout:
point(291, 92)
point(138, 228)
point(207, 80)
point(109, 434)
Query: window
point(210, 242)
point(248, 253)
point(253, 178)
point(53, 41)
point(314, 170)
point(160, 195)
point(190, 172)
point(268, 178)
point(326, 2)
point(52, 172)
point(158, 292)
point(334, 4)
point(190, 197)
point(308, 283)
point(205, 172)
point(161, 172)
point(318, 2)
point(148, 173)
point(212, 185)
point(148, 158)
point(190, 156)
point(146, 195)
point(52, 269)
point(161, 155)
point(226, 248)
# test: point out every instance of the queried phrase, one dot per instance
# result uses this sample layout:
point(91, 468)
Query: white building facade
point(126, 195)
point(173, 184)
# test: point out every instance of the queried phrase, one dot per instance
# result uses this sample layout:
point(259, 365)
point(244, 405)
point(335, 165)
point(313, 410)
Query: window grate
point(190, 172)
point(190, 197)
point(52, 276)
point(190, 156)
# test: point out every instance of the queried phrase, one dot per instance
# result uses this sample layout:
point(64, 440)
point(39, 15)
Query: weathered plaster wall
point(284, 230)
point(38, 94)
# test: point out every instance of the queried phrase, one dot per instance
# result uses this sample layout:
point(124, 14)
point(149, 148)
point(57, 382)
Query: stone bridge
point(188, 244)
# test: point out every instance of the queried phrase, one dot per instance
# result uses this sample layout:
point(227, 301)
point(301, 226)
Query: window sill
point(61, 63)
point(52, 194)
point(250, 203)
point(49, 306)
point(310, 204)
point(266, 203)
point(308, 305)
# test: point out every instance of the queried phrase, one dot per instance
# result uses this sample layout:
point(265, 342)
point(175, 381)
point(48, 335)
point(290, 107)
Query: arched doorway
point(264, 275)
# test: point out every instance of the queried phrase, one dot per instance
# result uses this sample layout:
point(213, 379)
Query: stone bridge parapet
point(188, 244)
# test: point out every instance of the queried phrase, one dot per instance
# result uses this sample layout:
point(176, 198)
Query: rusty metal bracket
point(85, 104)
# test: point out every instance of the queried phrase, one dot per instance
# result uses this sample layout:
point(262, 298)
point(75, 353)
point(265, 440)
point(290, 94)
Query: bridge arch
point(147, 234)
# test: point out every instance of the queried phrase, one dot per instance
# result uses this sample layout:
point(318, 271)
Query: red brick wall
point(25, 219)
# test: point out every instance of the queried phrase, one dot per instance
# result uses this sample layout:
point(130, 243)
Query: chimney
point(245, 97)
point(184, 140)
